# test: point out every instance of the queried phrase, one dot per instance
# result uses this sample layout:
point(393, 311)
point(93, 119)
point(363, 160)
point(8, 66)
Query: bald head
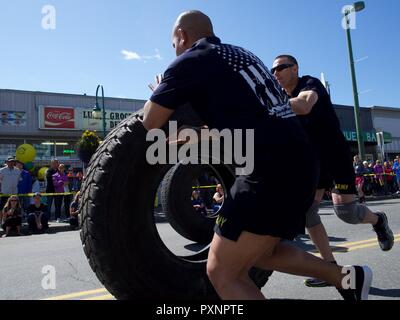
point(195, 23)
point(190, 27)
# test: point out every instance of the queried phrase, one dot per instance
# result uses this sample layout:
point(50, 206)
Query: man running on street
point(313, 106)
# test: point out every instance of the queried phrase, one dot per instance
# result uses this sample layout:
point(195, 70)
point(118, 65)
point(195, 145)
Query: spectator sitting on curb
point(218, 198)
point(74, 211)
point(37, 215)
point(12, 216)
point(198, 203)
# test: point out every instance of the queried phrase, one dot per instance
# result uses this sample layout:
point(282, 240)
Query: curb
point(54, 228)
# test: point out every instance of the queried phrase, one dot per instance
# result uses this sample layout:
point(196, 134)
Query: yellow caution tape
point(379, 174)
point(203, 187)
point(42, 194)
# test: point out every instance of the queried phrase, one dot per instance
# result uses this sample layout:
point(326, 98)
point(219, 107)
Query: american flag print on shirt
point(258, 77)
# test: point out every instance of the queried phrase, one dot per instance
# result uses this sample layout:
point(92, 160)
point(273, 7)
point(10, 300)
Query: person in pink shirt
point(60, 181)
point(379, 170)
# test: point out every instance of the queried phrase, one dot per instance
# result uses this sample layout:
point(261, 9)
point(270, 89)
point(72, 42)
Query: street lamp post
point(357, 6)
point(97, 111)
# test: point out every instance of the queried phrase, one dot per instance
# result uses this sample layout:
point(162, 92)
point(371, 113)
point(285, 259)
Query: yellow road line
point(357, 243)
point(104, 297)
point(349, 244)
point(78, 294)
point(397, 239)
point(352, 246)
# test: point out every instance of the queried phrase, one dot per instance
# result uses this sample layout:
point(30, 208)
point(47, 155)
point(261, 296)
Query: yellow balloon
point(25, 153)
point(42, 173)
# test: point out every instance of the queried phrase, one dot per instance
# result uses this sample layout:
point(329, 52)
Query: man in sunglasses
point(312, 104)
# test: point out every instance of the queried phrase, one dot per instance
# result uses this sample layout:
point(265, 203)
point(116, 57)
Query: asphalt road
point(28, 263)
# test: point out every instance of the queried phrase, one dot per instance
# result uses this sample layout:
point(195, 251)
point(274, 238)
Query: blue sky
point(93, 39)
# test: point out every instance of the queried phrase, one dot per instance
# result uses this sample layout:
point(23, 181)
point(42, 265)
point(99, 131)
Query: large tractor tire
point(119, 233)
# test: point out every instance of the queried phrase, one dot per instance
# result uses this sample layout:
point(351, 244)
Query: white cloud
point(131, 55)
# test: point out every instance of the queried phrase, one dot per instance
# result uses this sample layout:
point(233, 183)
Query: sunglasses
point(281, 67)
point(13, 200)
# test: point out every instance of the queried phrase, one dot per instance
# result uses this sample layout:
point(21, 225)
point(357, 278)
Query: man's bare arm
point(155, 116)
point(304, 102)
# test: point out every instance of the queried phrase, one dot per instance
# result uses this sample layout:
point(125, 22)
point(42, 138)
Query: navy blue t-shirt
point(230, 88)
point(322, 123)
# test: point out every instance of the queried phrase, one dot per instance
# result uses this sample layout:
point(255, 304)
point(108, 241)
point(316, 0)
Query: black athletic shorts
point(336, 165)
point(264, 203)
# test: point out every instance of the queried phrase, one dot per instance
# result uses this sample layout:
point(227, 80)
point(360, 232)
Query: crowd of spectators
point(372, 178)
point(208, 195)
point(21, 199)
point(377, 178)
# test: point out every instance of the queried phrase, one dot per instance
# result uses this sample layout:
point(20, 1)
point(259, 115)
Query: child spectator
point(360, 172)
point(37, 215)
point(74, 211)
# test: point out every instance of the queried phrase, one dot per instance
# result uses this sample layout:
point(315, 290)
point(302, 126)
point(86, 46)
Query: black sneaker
point(316, 283)
point(363, 284)
point(385, 235)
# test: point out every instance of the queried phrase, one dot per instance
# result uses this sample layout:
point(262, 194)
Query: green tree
point(87, 145)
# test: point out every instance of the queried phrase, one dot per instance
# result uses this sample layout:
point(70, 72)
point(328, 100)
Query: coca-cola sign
point(59, 118)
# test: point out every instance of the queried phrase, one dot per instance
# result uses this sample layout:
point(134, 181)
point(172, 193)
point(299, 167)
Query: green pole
point(103, 107)
point(360, 139)
point(104, 114)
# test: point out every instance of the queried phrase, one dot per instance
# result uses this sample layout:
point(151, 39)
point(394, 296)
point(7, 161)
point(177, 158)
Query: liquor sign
point(56, 118)
point(113, 118)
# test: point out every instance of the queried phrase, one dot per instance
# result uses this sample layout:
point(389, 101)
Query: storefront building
point(388, 119)
point(370, 127)
point(54, 122)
